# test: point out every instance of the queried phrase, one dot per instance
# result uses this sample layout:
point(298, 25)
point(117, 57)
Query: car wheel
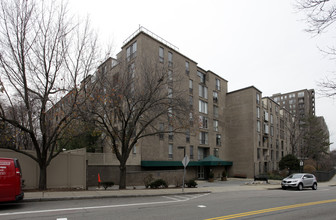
point(300, 186)
point(284, 187)
point(314, 187)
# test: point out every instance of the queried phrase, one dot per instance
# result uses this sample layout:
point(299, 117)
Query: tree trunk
point(122, 177)
point(43, 177)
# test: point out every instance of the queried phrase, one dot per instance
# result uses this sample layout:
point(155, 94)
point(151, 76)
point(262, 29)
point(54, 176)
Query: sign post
point(185, 162)
point(301, 166)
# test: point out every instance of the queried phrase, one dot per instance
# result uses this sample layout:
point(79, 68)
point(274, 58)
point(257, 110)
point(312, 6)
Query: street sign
point(185, 161)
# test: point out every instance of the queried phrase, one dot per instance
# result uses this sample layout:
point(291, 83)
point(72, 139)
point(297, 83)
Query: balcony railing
point(143, 29)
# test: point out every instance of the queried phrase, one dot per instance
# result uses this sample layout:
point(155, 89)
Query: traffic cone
point(99, 181)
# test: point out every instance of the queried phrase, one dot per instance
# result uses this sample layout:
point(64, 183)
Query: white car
point(299, 181)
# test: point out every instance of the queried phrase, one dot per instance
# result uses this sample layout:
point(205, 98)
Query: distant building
point(300, 103)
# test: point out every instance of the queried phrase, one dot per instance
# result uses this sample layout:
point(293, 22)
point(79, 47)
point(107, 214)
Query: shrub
point(309, 168)
point(191, 183)
point(289, 162)
point(159, 183)
point(147, 180)
point(274, 176)
point(107, 184)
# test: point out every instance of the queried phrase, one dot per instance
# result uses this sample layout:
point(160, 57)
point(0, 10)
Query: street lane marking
point(244, 214)
point(172, 198)
point(99, 207)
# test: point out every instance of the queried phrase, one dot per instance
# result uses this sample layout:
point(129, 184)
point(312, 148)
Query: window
point(170, 134)
point(271, 119)
point(265, 116)
point(170, 151)
point(191, 120)
point(131, 51)
point(191, 152)
point(161, 58)
point(187, 67)
point(203, 121)
point(203, 91)
point(170, 112)
point(170, 93)
point(187, 136)
point(272, 131)
point(259, 140)
point(115, 79)
point(301, 94)
point(218, 140)
point(215, 111)
point(217, 84)
point(170, 59)
point(134, 149)
point(203, 137)
point(216, 154)
point(161, 129)
point(215, 125)
point(131, 70)
point(266, 129)
point(170, 75)
point(215, 96)
point(203, 107)
point(258, 98)
point(258, 126)
point(190, 86)
point(201, 76)
point(191, 101)
point(258, 112)
point(258, 153)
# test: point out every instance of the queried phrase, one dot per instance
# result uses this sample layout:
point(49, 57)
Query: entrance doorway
point(200, 173)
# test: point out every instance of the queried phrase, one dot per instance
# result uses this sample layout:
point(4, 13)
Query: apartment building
point(300, 103)
point(256, 135)
point(204, 141)
point(239, 132)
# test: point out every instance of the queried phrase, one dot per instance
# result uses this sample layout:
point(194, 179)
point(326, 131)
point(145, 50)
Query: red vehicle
point(10, 180)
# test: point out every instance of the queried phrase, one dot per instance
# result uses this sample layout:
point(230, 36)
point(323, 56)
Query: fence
point(324, 176)
point(67, 170)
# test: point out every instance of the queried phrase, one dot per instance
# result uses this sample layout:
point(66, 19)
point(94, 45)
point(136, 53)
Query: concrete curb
point(109, 196)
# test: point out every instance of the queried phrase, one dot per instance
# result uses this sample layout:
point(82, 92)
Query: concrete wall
point(135, 176)
point(67, 170)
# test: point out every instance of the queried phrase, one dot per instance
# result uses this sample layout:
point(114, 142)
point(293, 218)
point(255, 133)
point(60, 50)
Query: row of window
point(201, 152)
point(203, 136)
point(203, 123)
point(270, 155)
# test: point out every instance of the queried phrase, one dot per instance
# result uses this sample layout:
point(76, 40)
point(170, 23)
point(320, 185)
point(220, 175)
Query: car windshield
point(295, 176)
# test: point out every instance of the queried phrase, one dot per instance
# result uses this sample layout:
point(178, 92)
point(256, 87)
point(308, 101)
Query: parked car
point(10, 180)
point(299, 181)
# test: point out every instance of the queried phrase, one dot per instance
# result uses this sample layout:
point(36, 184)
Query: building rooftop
point(143, 29)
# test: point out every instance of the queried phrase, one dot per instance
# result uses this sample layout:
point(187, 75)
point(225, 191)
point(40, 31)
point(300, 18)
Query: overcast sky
point(247, 42)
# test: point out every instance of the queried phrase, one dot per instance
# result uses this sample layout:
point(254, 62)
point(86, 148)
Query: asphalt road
point(261, 204)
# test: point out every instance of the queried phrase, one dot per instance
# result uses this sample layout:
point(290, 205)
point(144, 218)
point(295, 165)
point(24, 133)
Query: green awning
point(208, 161)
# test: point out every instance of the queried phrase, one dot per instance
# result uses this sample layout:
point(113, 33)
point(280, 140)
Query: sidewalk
point(231, 185)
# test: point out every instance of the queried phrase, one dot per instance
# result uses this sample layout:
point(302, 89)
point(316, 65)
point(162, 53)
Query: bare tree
point(316, 140)
point(321, 16)
point(43, 55)
point(131, 100)
point(295, 135)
